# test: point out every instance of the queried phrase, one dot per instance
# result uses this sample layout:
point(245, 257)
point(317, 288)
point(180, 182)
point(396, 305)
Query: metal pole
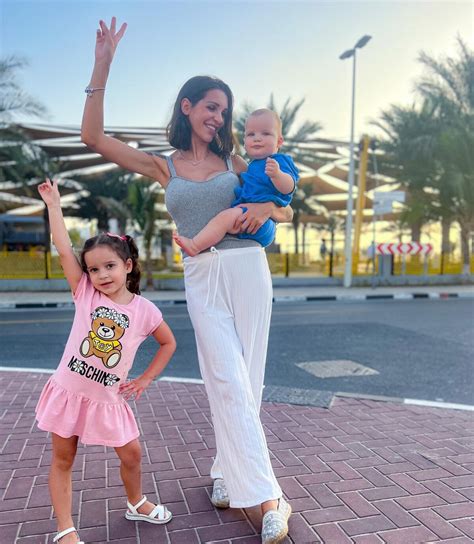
point(350, 203)
point(374, 216)
point(331, 255)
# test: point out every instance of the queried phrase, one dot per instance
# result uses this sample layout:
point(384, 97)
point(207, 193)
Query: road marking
point(437, 404)
point(180, 380)
point(23, 369)
point(415, 402)
point(336, 368)
point(24, 321)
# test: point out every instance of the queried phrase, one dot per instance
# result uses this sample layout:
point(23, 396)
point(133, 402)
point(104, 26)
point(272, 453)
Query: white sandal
point(275, 523)
point(220, 497)
point(58, 537)
point(160, 514)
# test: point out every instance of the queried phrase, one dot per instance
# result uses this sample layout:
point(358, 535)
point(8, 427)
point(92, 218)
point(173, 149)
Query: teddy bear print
point(108, 326)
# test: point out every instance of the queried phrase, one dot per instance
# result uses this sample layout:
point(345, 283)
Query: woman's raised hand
point(50, 193)
point(107, 40)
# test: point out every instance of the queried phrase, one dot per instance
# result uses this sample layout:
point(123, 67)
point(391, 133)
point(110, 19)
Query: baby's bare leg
point(212, 233)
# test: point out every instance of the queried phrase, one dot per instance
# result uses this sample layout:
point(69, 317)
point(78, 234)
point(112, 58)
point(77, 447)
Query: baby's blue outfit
point(258, 187)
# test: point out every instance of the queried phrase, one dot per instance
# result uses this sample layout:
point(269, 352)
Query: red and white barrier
point(409, 248)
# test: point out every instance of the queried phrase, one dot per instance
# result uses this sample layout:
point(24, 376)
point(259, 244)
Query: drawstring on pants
point(216, 256)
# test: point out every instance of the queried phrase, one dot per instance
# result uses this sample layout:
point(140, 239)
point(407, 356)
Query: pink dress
point(82, 397)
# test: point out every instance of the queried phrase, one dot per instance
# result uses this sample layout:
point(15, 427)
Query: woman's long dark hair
point(178, 130)
point(125, 247)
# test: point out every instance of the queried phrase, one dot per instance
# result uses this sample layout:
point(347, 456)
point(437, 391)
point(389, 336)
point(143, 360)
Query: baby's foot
point(187, 244)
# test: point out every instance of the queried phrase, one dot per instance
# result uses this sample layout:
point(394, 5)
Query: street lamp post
point(350, 202)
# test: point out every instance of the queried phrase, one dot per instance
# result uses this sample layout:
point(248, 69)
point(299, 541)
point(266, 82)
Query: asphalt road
point(421, 349)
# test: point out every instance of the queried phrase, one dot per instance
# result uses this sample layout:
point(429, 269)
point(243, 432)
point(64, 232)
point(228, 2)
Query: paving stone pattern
point(360, 472)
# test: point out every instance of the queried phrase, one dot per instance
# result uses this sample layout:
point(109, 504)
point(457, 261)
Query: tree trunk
point(166, 243)
point(466, 253)
point(103, 222)
point(331, 254)
point(445, 245)
point(415, 232)
point(148, 266)
point(122, 224)
point(148, 233)
point(296, 224)
point(303, 243)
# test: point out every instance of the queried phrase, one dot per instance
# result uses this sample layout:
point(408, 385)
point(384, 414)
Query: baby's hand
point(272, 168)
point(134, 388)
point(49, 192)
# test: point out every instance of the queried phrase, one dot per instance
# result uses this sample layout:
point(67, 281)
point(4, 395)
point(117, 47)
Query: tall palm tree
point(409, 133)
point(448, 86)
point(108, 193)
point(300, 206)
point(142, 199)
point(19, 159)
point(14, 101)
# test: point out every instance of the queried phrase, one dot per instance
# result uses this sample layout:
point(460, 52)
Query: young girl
point(86, 397)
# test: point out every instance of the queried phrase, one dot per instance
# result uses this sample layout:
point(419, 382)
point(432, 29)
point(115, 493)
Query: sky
point(288, 48)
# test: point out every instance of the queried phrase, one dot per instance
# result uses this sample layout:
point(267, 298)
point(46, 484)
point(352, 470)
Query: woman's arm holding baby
point(257, 214)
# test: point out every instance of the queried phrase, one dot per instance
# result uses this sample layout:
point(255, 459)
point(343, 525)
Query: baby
point(271, 176)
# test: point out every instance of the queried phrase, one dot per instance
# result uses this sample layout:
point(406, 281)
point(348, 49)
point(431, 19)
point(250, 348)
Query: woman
point(228, 289)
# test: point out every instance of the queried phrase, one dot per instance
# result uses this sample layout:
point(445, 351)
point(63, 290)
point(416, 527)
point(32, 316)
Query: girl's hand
point(49, 193)
point(272, 168)
point(107, 40)
point(134, 388)
point(255, 216)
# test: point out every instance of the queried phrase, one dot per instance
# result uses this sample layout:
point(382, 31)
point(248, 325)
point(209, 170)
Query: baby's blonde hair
point(274, 114)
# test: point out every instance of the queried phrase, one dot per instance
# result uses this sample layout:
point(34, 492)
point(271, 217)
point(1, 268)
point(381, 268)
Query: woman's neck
point(198, 151)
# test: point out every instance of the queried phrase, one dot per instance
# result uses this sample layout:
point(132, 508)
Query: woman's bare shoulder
point(239, 164)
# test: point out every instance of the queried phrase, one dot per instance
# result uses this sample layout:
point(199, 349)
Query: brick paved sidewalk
point(361, 471)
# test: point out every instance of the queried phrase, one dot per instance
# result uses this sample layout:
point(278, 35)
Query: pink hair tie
point(123, 237)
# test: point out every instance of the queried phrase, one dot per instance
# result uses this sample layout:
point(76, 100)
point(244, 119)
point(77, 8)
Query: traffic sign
point(408, 248)
point(383, 200)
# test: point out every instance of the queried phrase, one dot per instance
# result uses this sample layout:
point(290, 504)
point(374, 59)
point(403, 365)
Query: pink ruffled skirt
point(95, 423)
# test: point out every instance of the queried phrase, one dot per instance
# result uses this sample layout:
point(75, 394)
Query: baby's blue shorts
point(264, 235)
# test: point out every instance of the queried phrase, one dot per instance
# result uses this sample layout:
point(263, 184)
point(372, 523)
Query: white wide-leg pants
point(229, 299)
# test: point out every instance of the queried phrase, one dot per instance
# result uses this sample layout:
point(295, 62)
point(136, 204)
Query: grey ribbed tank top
point(192, 204)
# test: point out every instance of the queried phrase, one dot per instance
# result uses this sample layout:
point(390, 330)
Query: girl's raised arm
point(92, 129)
point(72, 269)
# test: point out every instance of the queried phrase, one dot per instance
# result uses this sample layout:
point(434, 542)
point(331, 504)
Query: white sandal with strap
point(160, 514)
point(60, 535)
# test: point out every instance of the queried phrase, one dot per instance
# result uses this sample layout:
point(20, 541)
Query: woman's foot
point(220, 497)
point(70, 538)
point(186, 244)
point(275, 523)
